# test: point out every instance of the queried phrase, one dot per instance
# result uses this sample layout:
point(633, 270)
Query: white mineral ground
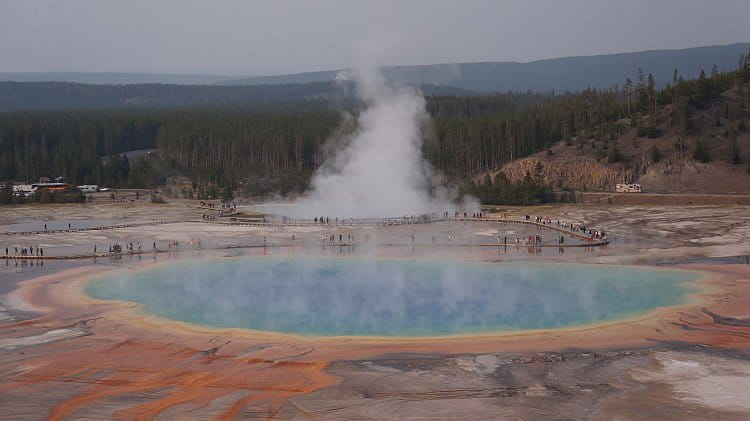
point(65, 357)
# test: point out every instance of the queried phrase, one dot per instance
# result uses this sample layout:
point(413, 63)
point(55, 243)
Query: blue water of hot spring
point(393, 297)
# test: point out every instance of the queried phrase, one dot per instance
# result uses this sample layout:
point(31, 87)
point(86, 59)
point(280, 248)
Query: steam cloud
point(380, 171)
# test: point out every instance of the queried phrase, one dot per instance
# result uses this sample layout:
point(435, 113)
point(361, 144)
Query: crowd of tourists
point(25, 251)
point(331, 238)
point(589, 234)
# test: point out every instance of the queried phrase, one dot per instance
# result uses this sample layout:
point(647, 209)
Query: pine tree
point(615, 156)
point(682, 116)
point(651, 93)
point(227, 193)
point(734, 153)
point(734, 150)
point(640, 89)
point(538, 172)
point(703, 89)
point(628, 92)
point(700, 151)
point(655, 154)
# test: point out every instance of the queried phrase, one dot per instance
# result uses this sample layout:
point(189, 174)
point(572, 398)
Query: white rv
point(628, 188)
point(25, 190)
point(88, 188)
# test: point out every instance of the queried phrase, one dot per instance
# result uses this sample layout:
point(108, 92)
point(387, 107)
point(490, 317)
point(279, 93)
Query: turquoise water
point(329, 296)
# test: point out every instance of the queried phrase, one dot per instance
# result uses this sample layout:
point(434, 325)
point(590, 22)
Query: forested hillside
point(261, 149)
point(16, 96)
point(690, 137)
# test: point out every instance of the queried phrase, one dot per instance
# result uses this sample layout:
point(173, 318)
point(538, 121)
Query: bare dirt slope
point(583, 164)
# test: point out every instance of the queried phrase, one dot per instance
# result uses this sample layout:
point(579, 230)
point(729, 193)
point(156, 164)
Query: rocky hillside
point(666, 162)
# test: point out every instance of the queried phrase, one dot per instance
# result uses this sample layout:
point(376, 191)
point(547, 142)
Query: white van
point(88, 188)
point(628, 188)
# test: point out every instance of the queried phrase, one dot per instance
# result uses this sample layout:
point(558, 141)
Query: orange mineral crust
point(86, 358)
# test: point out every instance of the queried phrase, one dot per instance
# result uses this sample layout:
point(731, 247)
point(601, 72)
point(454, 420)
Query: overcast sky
point(281, 36)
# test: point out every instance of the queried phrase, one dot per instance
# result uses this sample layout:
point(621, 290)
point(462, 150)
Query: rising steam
point(380, 170)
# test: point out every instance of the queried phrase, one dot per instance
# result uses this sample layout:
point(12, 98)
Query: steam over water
point(393, 297)
point(379, 171)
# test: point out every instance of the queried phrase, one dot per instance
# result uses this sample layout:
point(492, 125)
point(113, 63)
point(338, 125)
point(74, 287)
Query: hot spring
point(393, 297)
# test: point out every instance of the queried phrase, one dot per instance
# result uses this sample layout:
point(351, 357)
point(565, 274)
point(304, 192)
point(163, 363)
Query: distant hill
point(559, 74)
point(15, 96)
point(107, 78)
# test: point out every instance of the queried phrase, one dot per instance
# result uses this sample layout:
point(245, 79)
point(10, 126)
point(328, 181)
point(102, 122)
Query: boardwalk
point(563, 230)
point(586, 240)
point(101, 228)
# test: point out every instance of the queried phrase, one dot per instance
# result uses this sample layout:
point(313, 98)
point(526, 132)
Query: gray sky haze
point(237, 37)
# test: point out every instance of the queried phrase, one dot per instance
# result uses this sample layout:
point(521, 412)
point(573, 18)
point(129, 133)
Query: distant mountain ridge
point(114, 78)
point(557, 74)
